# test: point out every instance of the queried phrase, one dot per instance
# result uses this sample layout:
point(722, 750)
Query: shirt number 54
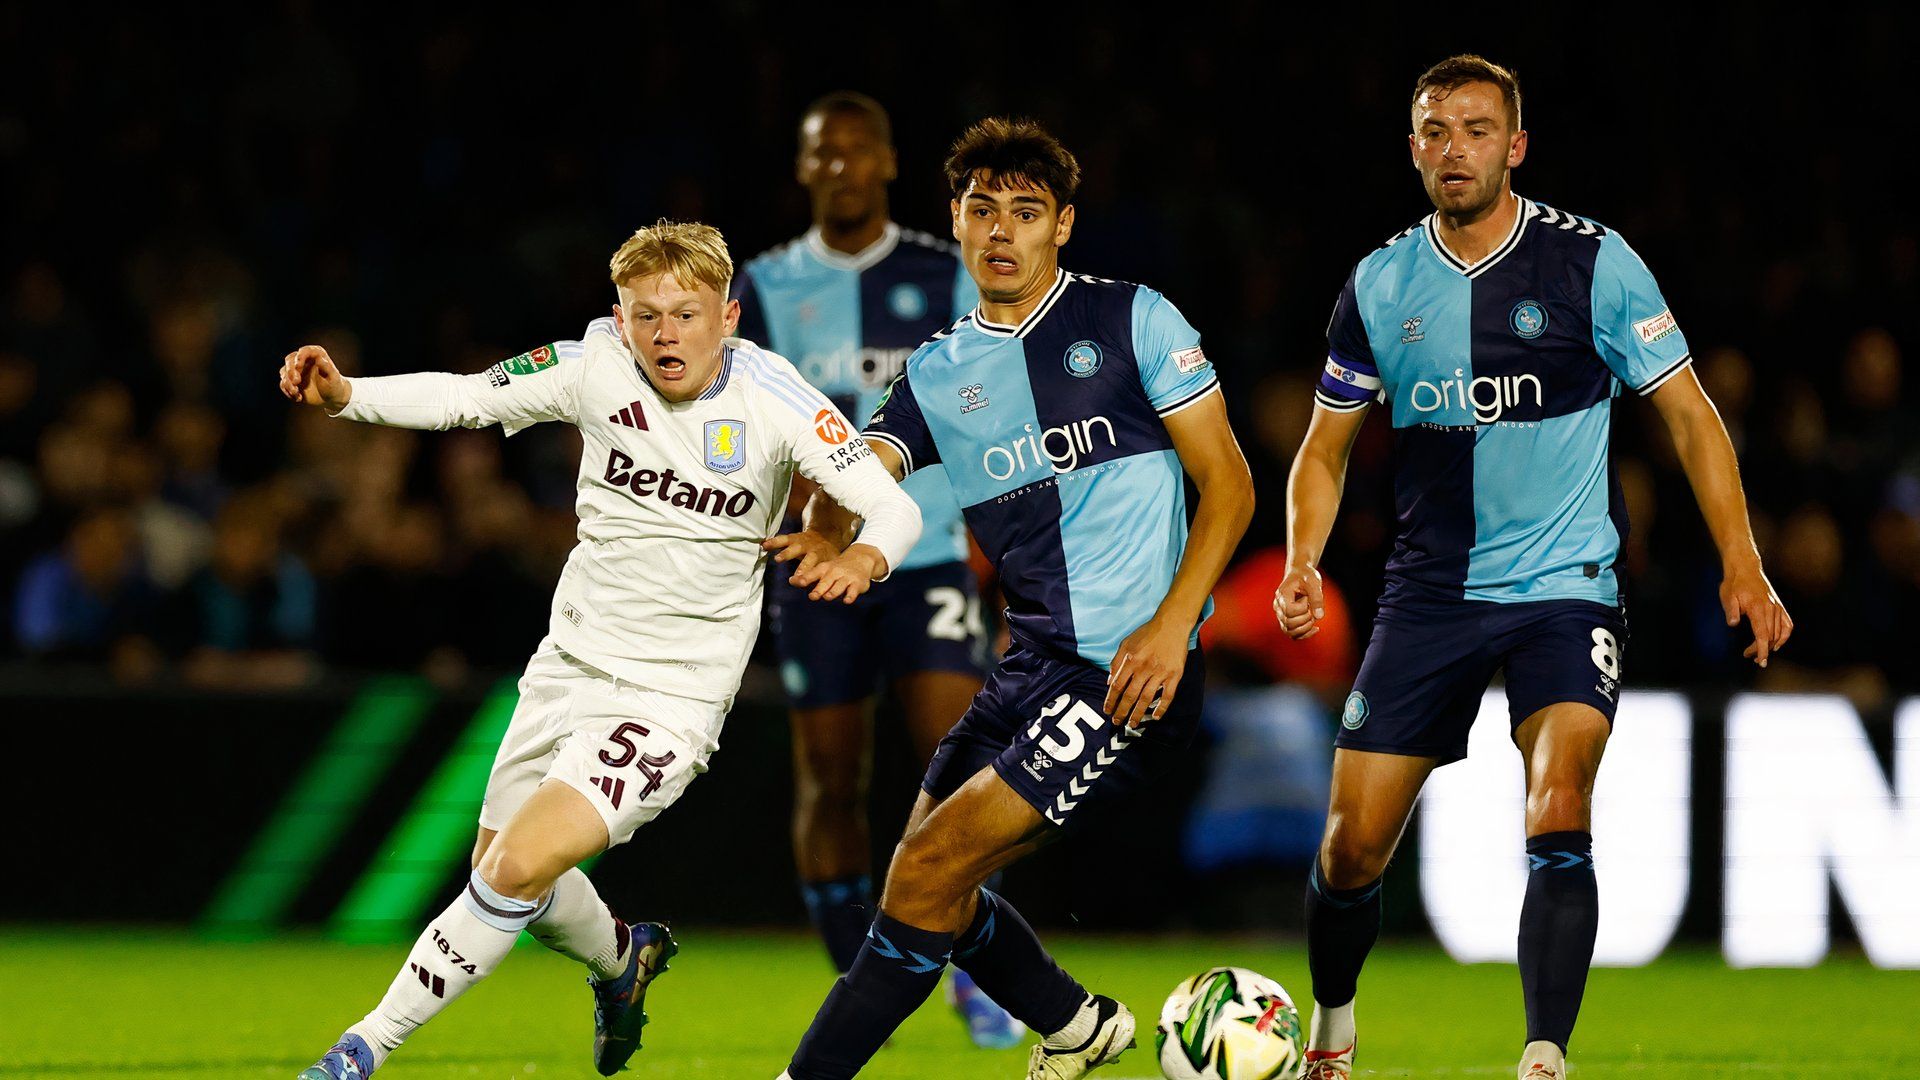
point(622, 751)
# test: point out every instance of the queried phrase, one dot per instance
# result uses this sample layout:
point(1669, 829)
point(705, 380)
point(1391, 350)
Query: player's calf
point(1004, 956)
point(460, 947)
point(990, 1026)
point(1559, 921)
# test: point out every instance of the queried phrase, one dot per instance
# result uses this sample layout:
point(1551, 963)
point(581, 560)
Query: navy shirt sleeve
point(753, 317)
point(897, 421)
point(1352, 379)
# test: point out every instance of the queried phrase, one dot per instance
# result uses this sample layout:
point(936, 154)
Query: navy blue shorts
point(1038, 723)
point(925, 619)
point(1430, 662)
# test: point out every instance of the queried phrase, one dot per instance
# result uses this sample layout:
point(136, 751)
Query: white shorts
point(629, 750)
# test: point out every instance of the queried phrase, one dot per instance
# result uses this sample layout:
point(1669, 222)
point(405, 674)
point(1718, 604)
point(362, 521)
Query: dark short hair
point(1016, 152)
point(1456, 71)
point(851, 103)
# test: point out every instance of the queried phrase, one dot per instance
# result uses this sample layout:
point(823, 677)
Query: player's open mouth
point(1454, 180)
point(670, 367)
point(1002, 264)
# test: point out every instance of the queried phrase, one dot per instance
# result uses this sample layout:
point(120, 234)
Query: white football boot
point(1542, 1061)
point(1112, 1036)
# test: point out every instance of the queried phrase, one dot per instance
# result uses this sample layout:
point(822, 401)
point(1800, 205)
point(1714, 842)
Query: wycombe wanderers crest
point(726, 445)
point(1082, 359)
point(1529, 319)
point(1355, 713)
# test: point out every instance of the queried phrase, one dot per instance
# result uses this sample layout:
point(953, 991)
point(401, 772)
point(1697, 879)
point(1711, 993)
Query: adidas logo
point(631, 416)
point(435, 985)
point(613, 787)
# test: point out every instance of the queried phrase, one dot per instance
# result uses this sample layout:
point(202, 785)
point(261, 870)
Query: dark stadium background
point(185, 197)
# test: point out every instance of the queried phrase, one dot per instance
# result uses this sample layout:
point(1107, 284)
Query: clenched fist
point(1299, 603)
point(308, 377)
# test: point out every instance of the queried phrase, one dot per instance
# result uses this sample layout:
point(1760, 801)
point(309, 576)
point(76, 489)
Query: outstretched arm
point(1313, 499)
point(1700, 438)
point(515, 393)
point(1147, 668)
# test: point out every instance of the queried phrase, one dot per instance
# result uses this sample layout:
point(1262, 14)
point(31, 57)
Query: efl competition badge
point(726, 445)
point(529, 362)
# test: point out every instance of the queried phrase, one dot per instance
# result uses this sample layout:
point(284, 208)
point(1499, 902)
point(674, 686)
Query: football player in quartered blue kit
point(1066, 410)
point(847, 303)
point(1498, 333)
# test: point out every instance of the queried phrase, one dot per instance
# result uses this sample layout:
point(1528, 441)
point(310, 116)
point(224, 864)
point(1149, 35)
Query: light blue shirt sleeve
point(1173, 370)
point(1633, 328)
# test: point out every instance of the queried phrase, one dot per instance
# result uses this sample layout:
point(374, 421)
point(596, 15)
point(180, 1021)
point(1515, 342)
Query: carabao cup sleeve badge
point(726, 445)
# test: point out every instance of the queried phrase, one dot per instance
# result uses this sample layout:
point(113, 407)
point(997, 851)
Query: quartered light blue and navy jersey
point(1501, 376)
point(1052, 433)
point(849, 322)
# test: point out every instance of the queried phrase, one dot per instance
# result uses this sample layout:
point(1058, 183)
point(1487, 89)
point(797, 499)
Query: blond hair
point(691, 252)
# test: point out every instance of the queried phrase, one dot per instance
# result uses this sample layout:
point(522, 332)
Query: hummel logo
point(631, 416)
point(612, 787)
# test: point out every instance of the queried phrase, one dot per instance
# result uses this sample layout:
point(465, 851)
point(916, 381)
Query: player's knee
point(515, 873)
point(1559, 805)
point(1351, 857)
point(927, 866)
point(828, 783)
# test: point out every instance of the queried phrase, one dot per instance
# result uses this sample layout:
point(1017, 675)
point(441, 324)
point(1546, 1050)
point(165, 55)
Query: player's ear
point(730, 318)
point(620, 321)
point(1517, 149)
point(892, 170)
point(1413, 150)
point(1063, 228)
point(953, 207)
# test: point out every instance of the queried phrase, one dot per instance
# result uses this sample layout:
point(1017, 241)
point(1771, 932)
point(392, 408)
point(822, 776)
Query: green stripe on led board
point(319, 806)
point(435, 833)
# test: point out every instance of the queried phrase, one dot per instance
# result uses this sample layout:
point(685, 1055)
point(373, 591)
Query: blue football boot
point(617, 1013)
point(349, 1059)
point(988, 1025)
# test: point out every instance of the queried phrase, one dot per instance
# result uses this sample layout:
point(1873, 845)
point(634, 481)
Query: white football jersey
point(674, 498)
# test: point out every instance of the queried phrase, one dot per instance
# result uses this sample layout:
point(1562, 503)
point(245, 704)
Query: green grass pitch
point(140, 1003)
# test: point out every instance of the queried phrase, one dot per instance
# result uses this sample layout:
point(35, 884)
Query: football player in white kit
point(691, 437)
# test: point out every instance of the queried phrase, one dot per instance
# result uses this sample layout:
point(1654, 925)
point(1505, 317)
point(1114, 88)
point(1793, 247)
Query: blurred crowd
point(180, 206)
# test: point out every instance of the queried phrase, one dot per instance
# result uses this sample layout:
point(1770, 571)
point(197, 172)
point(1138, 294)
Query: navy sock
point(841, 910)
point(898, 966)
point(1342, 925)
point(1008, 962)
point(1558, 922)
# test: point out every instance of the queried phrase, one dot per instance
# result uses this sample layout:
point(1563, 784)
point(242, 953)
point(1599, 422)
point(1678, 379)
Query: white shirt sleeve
point(855, 479)
point(515, 393)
